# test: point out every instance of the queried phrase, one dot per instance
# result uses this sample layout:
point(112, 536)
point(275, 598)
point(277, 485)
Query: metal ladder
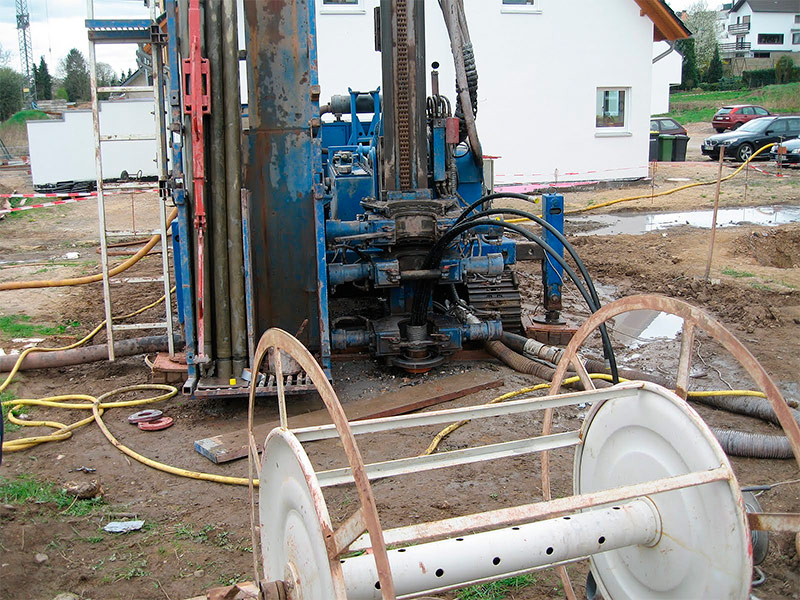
point(126, 31)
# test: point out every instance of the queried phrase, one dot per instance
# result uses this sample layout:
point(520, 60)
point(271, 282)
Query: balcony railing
point(739, 28)
point(735, 47)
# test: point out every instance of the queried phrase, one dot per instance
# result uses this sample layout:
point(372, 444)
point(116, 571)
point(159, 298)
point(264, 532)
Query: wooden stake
point(716, 208)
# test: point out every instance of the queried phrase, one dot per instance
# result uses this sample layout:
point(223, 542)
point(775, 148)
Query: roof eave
point(666, 24)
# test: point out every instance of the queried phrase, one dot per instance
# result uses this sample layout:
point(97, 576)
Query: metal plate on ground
point(704, 550)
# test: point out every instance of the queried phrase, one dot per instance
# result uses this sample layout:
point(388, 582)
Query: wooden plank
point(232, 445)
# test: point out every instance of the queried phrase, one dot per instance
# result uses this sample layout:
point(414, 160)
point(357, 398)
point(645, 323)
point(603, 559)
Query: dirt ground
point(197, 534)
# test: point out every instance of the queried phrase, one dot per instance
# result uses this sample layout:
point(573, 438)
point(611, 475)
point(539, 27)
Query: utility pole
point(26, 51)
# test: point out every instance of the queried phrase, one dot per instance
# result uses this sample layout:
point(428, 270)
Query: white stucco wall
point(666, 72)
point(63, 149)
point(539, 74)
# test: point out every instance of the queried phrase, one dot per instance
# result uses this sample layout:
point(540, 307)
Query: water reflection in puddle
point(726, 217)
point(639, 327)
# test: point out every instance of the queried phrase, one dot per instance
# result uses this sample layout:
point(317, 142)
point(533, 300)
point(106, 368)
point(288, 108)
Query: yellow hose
point(80, 342)
point(98, 406)
point(21, 285)
point(659, 194)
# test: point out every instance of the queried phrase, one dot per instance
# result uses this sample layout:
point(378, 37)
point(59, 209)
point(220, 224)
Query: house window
point(796, 38)
point(770, 38)
point(797, 19)
point(347, 7)
point(520, 6)
point(611, 109)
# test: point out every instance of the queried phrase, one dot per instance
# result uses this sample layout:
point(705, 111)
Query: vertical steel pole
point(182, 262)
point(716, 209)
point(233, 179)
point(219, 213)
point(161, 161)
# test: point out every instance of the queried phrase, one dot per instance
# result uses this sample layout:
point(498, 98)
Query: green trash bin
point(665, 144)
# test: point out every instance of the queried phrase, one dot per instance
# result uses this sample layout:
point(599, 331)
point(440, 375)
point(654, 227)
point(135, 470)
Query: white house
point(566, 88)
point(762, 29)
point(667, 68)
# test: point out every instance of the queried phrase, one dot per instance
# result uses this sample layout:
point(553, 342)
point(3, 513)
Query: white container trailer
point(63, 149)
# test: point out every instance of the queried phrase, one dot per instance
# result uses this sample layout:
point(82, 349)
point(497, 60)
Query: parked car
point(751, 136)
point(790, 155)
point(666, 125)
point(736, 115)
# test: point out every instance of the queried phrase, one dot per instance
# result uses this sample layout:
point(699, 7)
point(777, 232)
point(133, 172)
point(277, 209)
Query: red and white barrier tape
point(67, 199)
point(564, 173)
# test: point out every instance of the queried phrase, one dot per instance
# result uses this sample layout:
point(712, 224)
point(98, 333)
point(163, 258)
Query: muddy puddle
point(640, 327)
point(644, 223)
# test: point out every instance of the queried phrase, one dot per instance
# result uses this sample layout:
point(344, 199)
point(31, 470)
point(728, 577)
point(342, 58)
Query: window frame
point(356, 8)
point(776, 35)
point(531, 7)
point(795, 38)
point(614, 130)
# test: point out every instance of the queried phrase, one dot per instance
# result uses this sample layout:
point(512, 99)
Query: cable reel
point(656, 506)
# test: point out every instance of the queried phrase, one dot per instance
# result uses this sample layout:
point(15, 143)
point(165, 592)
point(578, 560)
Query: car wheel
point(736, 126)
point(719, 129)
point(744, 152)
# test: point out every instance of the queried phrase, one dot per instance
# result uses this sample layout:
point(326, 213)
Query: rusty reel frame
point(280, 344)
point(693, 319)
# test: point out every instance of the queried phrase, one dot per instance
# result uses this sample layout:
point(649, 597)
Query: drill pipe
point(233, 176)
point(219, 212)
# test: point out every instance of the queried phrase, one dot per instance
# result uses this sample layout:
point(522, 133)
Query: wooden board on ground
point(230, 446)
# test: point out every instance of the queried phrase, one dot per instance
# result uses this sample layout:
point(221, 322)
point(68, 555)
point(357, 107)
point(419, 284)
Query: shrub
point(758, 78)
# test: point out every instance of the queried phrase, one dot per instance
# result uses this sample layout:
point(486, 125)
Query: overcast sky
point(58, 25)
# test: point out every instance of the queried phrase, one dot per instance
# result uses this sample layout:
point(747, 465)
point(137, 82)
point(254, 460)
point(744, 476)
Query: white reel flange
point(656, 509)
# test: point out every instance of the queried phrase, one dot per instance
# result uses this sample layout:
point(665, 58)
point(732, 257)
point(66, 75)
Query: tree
point(11, 84)
point(714, 71)
point(105, 77)
point(43, 81)
point(784, 70)
point(5, 57)
point(689, 74)
point(76, 76)
point(703, 23)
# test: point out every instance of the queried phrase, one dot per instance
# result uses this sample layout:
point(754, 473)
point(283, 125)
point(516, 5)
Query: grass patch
point(737, 274)
point(25, 489)
point(694, 107)
point(26, 115)
point(8, 426)
point(496, 590)
point(21, 326)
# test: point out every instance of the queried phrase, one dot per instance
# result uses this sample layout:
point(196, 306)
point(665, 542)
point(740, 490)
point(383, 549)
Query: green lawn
point(693, 107)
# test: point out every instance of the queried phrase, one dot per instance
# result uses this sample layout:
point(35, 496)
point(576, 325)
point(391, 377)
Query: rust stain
point(422, 568)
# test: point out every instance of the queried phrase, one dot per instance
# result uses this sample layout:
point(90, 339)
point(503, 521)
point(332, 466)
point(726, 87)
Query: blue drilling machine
point(366, 218)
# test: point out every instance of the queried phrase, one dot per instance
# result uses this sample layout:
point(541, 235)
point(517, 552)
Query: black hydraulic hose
point(608, 350)
point(424, 288)
point(536, 219)
point(567, 246)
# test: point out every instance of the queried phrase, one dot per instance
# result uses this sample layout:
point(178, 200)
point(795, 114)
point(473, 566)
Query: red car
point(734, 116)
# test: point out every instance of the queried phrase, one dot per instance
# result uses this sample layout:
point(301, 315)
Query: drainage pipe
point(86, 354)
point(233, 176)
point(218, 208)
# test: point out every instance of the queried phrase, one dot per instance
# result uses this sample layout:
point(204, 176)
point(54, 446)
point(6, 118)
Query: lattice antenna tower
point(26, 49)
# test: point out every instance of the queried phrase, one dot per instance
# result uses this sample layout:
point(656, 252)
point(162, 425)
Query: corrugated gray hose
point(516, 350)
